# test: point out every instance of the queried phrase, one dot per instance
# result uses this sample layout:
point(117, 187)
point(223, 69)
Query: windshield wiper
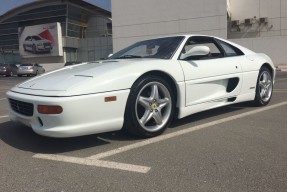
point(129, 57)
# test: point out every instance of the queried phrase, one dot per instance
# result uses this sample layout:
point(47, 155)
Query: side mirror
point(196, 51)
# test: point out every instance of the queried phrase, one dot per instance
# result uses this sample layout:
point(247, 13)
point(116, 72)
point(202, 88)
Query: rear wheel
point(150, 107)
point(264, 87)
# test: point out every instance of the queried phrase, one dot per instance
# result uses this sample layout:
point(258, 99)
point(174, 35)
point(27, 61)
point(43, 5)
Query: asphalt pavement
point(235, 148)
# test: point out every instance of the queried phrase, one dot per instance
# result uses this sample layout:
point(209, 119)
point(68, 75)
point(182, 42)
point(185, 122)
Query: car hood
point(96, 77)
point(86, 78)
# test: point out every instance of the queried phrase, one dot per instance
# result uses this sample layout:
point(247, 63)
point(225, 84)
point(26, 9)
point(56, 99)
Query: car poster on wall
point(40, 40)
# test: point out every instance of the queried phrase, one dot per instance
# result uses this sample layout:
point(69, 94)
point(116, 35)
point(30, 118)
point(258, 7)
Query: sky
point(6, 5)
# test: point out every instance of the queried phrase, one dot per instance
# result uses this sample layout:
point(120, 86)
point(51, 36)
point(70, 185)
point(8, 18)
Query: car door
point(214, 77)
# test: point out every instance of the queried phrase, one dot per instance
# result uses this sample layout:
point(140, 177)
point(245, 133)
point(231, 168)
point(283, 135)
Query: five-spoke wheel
point(264, 87)
point(150, 106)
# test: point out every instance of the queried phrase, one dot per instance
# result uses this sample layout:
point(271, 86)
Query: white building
point(260, 25)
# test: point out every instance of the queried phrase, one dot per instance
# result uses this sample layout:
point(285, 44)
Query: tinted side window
point(229, 49)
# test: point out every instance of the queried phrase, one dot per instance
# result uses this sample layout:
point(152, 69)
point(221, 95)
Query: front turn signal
point(50, 109)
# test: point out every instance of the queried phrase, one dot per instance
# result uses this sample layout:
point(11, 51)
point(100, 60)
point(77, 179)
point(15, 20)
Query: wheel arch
point(168, 78)
point(174, 88)
point(270, 68)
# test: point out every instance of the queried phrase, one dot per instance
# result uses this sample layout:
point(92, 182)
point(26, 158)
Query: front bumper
point(82, 115)
point(26, 72)
point(44, 48)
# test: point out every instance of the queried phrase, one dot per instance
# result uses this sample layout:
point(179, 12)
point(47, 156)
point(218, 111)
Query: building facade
point(260, 25)
point(86, 30)
point(135, 20)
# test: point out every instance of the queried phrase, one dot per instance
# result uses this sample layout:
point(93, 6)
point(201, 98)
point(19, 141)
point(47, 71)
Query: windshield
point(162, 48)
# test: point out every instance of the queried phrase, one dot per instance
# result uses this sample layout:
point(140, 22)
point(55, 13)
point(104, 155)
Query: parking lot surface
point(234, 148)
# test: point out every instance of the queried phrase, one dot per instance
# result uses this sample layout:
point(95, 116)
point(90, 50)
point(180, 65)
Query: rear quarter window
point(230, 50)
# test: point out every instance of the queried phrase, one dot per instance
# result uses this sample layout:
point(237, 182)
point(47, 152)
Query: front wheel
point(150, 107)
point(264, 87)
point(10, 74)
point(34, 49)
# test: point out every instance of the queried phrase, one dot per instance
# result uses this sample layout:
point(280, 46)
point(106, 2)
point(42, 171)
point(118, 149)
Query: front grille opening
point(21, 107)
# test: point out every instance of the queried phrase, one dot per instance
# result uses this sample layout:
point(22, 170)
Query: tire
point(10, 74)
point(264, 87)
point(19, 75)
point(150, 107)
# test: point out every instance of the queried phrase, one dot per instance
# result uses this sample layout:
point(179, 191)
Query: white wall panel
point(274, 47)
point(137, 19)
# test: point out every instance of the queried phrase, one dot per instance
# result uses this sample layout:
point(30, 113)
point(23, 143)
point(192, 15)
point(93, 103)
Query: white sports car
point(141, 87)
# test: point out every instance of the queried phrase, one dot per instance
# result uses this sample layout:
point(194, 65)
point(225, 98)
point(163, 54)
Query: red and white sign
point(40, 40)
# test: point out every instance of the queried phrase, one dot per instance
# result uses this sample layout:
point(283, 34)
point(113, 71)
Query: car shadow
point(211, 113)
point(23, 138)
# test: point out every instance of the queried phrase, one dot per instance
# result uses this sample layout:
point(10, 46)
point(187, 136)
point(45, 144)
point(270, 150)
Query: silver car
point(37, 44)
point(30, 69)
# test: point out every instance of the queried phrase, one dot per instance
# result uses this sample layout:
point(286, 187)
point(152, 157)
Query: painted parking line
point(94, 162)
point(5, 116)
point(182, 132)
point(280, 90)
point(1, 99)
point(95, 159)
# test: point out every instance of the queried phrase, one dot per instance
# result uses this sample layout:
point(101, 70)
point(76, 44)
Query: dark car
point(68, 63)
point(8, 69)
point(30, 69)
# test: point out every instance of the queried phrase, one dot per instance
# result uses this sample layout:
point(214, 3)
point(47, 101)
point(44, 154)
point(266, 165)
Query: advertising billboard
point(40, 40)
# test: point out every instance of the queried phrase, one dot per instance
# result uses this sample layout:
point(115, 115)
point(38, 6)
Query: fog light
point(50, 109)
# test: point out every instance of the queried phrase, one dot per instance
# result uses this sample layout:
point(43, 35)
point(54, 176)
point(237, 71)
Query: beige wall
point(270, 38)
point(135, 20)
point(274, 10)
point(274, 47)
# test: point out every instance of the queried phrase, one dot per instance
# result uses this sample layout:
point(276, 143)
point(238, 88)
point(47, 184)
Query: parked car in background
point(68, 63)
point(8, 69)
point(30, 69)
point(37, 44)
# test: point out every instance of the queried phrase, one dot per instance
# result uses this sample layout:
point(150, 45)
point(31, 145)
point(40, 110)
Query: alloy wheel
point(153, 106)
point(265, 86)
